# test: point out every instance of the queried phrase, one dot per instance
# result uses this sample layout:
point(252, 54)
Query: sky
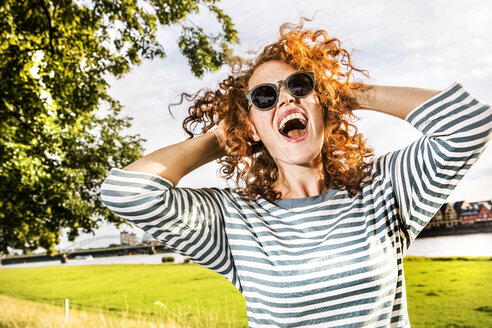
point(428, 44)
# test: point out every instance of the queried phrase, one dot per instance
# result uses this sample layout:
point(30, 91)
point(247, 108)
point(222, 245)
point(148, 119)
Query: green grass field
point(449, 292)
point(441, 293)
point(171, 291)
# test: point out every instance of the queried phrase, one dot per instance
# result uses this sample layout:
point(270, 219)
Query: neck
point(297, 181)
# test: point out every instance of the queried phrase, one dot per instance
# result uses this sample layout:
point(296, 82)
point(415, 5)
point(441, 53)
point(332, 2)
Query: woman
point(315, 233)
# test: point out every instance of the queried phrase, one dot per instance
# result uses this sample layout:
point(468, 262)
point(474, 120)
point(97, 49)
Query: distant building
point(461, 213)
point(128, 238)
point(485, 213)
point(470, 213)
point(147, 239)
point(436, 221)
point(450, 216)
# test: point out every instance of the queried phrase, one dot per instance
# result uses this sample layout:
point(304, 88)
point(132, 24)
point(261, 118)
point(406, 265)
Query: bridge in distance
point(74, 250)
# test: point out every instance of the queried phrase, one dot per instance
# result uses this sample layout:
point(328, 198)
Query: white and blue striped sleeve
point(188, 221)
point(456, 128)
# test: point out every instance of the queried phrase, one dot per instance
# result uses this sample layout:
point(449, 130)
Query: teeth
point(291, 117)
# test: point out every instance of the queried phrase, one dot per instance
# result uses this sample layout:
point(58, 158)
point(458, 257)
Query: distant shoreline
point(482, 227)
point(123, 250)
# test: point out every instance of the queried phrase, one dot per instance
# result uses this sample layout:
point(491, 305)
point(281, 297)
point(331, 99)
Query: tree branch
point(51, 26)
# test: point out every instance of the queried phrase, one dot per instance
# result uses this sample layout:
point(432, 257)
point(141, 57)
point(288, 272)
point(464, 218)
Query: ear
point(253, 133)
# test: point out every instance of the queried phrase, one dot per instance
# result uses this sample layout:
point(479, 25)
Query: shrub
point(166, 259)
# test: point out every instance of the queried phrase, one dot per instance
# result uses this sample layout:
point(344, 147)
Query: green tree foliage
point(60, 130)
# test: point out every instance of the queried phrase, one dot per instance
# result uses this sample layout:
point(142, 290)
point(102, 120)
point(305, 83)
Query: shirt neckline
point(306, 201)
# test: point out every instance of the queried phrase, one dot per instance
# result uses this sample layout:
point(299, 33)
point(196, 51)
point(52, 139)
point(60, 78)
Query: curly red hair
point(344, 152)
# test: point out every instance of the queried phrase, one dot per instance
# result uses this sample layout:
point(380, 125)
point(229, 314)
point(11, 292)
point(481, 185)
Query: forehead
point(270, 72)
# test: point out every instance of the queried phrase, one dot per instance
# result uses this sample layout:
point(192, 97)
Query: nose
point(284, 96)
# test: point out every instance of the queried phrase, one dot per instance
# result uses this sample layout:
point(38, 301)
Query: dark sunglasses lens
point(301, 84)
point(264, 96)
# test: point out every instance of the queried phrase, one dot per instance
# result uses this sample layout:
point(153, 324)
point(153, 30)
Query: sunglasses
point(265, 96)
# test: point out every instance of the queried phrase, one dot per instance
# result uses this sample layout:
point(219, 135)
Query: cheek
point(315, 107)
point(261, 122)
point(318, 122)
point(313, 99)
point(318, 128)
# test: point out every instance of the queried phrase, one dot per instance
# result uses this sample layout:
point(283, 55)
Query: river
point(458, 245)
point(479, 244)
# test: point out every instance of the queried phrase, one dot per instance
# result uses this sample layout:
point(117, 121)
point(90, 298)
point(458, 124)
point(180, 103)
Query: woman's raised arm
point(455, 129)
point(395, 101)
point(188, 221)
point(175, 161)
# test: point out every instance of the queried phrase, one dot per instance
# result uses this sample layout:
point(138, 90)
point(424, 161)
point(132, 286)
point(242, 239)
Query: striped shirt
point(330, 260)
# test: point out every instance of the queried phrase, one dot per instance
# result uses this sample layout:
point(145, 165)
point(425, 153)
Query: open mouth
point(293, 126)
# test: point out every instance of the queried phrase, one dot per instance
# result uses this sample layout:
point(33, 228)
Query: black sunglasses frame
point(276, 87)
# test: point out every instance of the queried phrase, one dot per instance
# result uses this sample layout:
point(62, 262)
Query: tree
point(60, 130)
